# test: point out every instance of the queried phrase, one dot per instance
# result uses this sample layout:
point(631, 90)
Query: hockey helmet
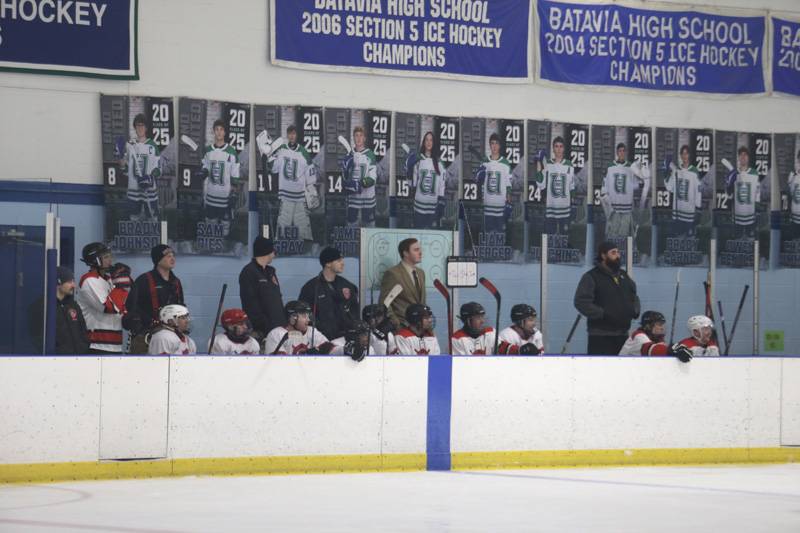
point(297, 307)
point(232, 317)
point(469, 310)
point(522, 311)
point(651, 318)
point(172, 312)
point(416, 312)
point(93, 253)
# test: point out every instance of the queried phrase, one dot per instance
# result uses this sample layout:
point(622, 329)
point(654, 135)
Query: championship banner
point(742, 196)
point(140, 162)
point(493, 173)
point(90, 38)
point(213, 177)
point(684, 194)
point(467, 39)
point(291, 197)
point(666, 50)
point(786, 56)
point(428, 165)
point(555, 197)
point(622, 186)
point(787, 165)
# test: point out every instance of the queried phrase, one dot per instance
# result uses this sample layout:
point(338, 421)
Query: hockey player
point(382, 341)
point(429, 186)
point(473, 338)
point(702, 340)
point(743, 183)
point(683, 183)
point(521, 337)
point(220, 171)
point(557, 177)
point(297, 179)
point(140, 160)
point(355, 343)
point(616, 196)
point(793, 184)
point(236, 340)
point(299, 336)
point(102, 304)
point(360, 171)
point(418, 338)
point(173, 336)
point(494, 180)
point(648, 339)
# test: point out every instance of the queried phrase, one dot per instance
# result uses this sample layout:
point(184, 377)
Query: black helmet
point(373, 312)
point(356, 330)
point(651, 318)
point(522, 311)
point(416, 312)
point(469, 310)
point(296, 307)
point(93, 253)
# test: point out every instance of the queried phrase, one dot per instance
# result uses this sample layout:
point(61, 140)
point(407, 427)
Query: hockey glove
point(508, 210)
point(528, 349)
point(680, 351)
point(263, 141)
point(144, 182)
point(480, 176)
point(667, 163)
point(440, 208)
point(356, 351)
point(121, 276)
point(730, 180)
point(119, 147)
point(540, 156)
point(411, 160)
point(352, 186)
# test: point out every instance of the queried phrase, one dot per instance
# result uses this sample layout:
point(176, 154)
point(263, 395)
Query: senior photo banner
point(668, 50)
point(786, 56)
point(469, 38)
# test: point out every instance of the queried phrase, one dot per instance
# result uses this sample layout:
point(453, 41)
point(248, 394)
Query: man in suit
point(409, 276)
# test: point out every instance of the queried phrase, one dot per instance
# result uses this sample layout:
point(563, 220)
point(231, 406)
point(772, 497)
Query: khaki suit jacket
point(410, 295)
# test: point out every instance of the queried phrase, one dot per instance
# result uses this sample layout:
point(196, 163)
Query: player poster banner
point(140, 161)
point(356, 174)
point(289, 141)
point(621, 183)
point(468, 40)
point(667, 50)
point(428, 164)
point(213, 170)
point(742, 196)
point(684, 195)
point(95, 39)
point(787, 165)
point(786, 56)
point(493, 152)
point(555, 197)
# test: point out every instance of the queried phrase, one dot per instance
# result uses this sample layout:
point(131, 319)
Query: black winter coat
point(609, 301)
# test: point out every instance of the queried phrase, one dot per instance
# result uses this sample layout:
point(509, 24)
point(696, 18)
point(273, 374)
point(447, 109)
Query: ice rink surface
point(641, 499)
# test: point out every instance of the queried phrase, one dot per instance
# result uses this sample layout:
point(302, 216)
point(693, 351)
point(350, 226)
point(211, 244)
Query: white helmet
point(172, 312)
point(698, 322)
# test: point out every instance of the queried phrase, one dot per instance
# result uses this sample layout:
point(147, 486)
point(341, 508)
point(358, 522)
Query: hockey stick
point(675, 307)
point(571, 333)
point(314, 309)
point(710, 306)
point(446, 294)
point(405, 148)
point(185, 139)
point(726, 164)
point(216, 319)
point(345, 144)
point(722, 321)
point(392, 295)
point(491, 288)
point(736, 318)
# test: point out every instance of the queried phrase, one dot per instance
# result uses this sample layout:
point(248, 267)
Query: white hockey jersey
point(496, 185)
point(222, 164)
point(376, 345)
point(684, 185)
point(558, 179)
point(225, 346)
point(511, 340)
point(142, 159)
point(746, 192)
point(364, 166)
point(794, 196)
point(295, 171)
point(295, 343)
point(619, 184)
point(167, 342)
point(429, 185)
point(698, 350)
point(409, 343)
point(465, 344)
point(103, 317)
point(639, 343)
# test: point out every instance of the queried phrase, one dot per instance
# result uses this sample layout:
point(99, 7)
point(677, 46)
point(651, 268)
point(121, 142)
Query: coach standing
point(606, 295)
point(260, 291)
point(409, 277)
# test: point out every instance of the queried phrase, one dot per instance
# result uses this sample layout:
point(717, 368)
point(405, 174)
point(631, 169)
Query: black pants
point(605, 345)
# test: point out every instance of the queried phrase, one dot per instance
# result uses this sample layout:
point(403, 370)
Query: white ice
point(636, 499)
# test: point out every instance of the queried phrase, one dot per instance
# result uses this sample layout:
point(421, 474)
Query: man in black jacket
point(260, 291)
point(333, 299)
point(606, 295)
point(71, 334)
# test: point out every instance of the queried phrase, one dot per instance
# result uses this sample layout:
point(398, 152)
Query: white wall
point(55, 130)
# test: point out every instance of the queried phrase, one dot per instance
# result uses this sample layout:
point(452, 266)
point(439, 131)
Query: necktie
point(416, 281)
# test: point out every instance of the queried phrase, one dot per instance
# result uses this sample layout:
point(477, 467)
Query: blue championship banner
point(786, 56)
point(84, 38)
point(439, 38)
point(666, 50)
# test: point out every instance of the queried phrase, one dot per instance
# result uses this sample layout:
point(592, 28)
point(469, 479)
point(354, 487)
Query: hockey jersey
point(511, 340)
point(699, 350)
point(794, 196)
point(639, 343)
point(465, 344)
point(102, 307)
point(222, 164)
point(281, 341)
point(225, 346)
point(168, 342)
point(558, 179)
point(496, 185)
point(365, 169)
point(382, 346)
point(295, 172)
point(684, 185)
point(746, 192)
point(142, 160)
point(619, 184)
point(429, 185)
point(409, 343)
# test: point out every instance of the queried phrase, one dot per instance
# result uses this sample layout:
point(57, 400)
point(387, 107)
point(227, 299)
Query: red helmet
point(232, 317)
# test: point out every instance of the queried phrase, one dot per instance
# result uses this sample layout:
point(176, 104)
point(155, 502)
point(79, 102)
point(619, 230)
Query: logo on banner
point(743, 191)
point(558, 186)
point(620, 183)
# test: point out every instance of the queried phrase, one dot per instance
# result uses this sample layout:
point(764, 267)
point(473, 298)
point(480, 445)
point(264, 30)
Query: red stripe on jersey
point(104, 336)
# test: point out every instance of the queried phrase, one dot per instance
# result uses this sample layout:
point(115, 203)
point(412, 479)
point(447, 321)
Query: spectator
point(409, 277)
point(260, 291)
point(172, 338)
point(333, 299)
point(606, 295)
